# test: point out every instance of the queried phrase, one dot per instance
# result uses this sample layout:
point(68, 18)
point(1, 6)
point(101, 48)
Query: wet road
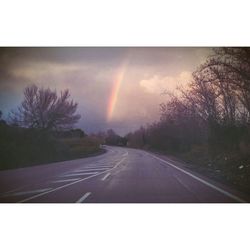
point(120, 175)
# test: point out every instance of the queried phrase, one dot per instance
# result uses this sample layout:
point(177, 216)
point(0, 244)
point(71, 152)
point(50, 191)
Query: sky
point(116, 88)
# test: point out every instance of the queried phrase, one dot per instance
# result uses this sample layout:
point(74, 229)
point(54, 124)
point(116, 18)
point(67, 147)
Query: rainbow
point(115, 90)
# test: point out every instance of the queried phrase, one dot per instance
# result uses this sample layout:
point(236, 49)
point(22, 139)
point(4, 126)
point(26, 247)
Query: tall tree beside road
point(45, 109)
point(228, 69)
point(211, 115)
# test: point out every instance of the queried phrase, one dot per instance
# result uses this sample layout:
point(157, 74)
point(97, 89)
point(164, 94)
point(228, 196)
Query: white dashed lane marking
point(125, 154)
point(70, 184)
point(84, 197)
point(106, 176)
point(65, 180)
point(77, 174)
point(89, 169)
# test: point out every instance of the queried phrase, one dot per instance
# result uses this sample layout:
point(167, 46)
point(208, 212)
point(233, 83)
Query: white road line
point(125, 154)
point(101, 164)
point(76, 174)
point(95, 165)
point(84, 197)
point(72, 183)
point(106, 176)
point(11, 191)
point(29, 192)
point(98, 167)
point(65, 180)
point(89, 169)
point(234, 197)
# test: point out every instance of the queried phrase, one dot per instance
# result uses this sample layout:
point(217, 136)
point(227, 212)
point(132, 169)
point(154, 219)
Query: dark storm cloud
point(100, 56)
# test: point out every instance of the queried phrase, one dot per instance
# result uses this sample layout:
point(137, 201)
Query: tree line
point(210, 115)
point(41, 130)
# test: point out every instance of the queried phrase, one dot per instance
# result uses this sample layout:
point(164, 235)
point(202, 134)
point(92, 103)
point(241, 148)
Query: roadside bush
point(20, 147)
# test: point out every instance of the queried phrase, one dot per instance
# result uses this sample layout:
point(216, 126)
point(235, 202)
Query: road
point(121, 175)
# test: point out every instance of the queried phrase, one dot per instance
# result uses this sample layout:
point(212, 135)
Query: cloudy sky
point(117, 88)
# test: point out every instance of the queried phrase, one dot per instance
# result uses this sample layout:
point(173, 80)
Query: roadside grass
point(81, 147)
point(21, 147)
point(229, 167)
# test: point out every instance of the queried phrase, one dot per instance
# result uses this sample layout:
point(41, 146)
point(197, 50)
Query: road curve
point(122, 175)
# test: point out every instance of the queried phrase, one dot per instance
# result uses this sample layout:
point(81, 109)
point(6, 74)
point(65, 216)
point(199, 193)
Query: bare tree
point(44, 109)
point(230, 68)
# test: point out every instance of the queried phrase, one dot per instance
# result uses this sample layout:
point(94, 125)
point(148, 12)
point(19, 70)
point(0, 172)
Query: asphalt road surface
point(120, 175)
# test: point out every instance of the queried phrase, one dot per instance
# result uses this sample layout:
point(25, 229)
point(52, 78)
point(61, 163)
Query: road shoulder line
point(234, 197)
